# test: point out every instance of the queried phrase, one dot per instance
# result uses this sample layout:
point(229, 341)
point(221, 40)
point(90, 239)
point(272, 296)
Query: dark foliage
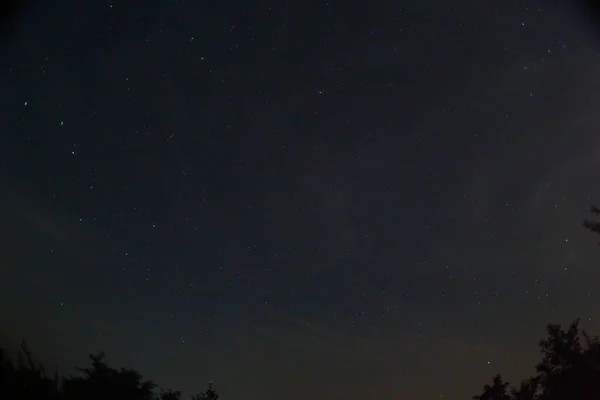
point(569, 370)
point(592, 225)
point(24, 380)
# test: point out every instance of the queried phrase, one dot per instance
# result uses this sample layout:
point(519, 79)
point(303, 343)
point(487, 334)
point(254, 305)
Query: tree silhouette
point(592, 225)
point(528, 390)
point(208, 394)
point(27, 381)
point(497, 391)
point(103, 382)
point(568, 370)
point(169, 395)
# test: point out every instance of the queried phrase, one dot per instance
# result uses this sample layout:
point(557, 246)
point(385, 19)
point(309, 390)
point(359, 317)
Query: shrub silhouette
point(26, 381)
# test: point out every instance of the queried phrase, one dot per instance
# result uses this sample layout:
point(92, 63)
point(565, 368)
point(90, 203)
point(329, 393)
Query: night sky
point(299, 199)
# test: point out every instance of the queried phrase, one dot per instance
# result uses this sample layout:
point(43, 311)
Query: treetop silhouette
point(592, 225)
point(27, 381)
point(568, 370)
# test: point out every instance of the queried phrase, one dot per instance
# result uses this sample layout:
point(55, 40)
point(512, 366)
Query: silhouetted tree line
point(25, 380)
point(569, 370)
